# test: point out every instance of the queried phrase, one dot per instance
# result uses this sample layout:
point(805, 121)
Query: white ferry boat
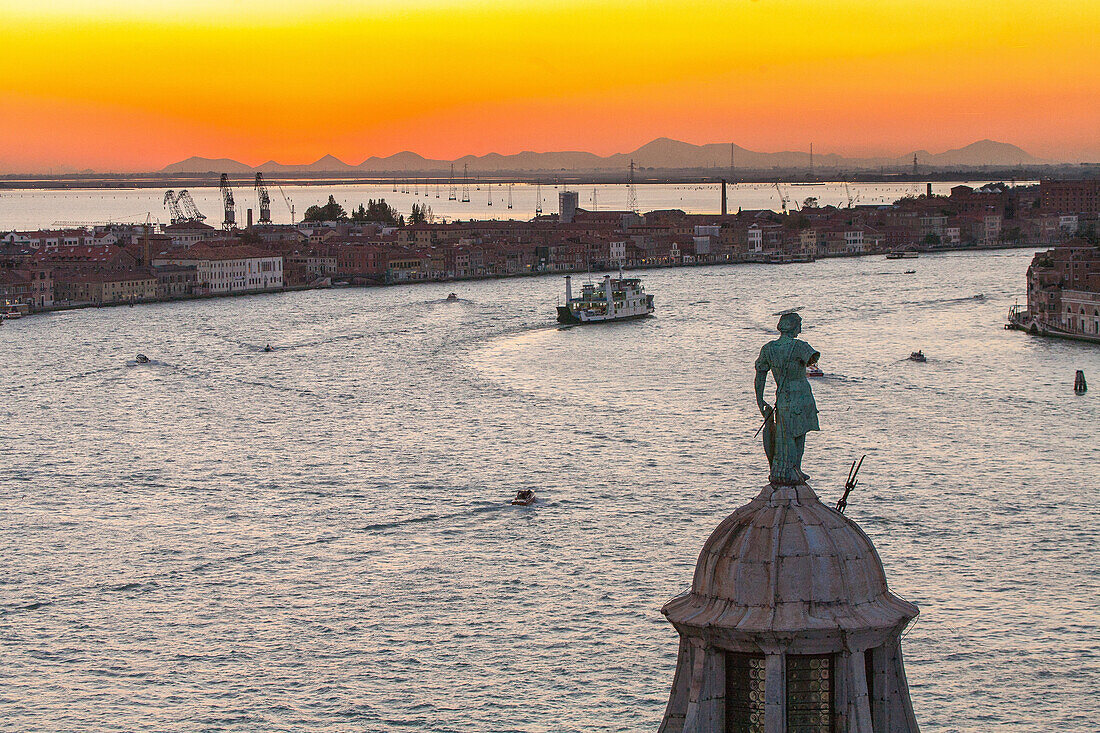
point(614, 299)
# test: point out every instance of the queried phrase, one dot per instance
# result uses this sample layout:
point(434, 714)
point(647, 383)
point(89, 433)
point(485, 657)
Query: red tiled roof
point(79, 253)
point(12, 277)
point(229, 252)
point(188, 226)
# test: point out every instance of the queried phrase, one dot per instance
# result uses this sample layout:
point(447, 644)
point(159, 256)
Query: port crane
point(452, 195)
point(782, 197)
point(265, 199)
point(848, 192)
point(173, 205)
point(192, 212)
point(227, 201)
point(465, 183)
point(289, 203)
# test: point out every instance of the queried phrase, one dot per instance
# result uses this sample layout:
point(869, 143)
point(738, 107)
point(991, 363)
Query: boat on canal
point(613, 299)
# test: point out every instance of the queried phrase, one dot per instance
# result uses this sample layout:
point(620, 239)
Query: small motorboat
point(141, 359)
point(910, 272)
point(813, 370)
point(268, 349)
point(918, 356)
point(452, 296)
point(524, 497)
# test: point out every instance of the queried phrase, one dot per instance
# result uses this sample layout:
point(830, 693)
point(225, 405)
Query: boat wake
point(944, 301)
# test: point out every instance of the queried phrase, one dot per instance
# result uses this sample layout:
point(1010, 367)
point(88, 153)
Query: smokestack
point(929, 189)
point(250, 218)
point(724, 210)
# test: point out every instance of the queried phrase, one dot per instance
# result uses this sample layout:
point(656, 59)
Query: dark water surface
point(318, 538)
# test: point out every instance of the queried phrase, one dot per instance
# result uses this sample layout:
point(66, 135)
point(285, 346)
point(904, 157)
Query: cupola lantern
point(789, 626)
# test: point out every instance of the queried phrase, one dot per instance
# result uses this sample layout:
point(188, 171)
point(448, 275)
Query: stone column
point(900, 706)
point(775, 694)
point(858, 713)
point(706, 710)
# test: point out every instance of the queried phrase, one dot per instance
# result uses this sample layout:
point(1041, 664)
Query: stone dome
point(786, 566)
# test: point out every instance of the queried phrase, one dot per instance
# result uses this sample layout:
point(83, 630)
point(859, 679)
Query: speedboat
point(910, 272)
point(452, 296)
point(524, 497)
point(268, 348)
point(918, 356)
point(813, 370)
point(141, 359)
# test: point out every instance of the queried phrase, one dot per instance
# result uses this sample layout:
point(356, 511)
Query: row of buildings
point(132, 263)
point(1063, 293)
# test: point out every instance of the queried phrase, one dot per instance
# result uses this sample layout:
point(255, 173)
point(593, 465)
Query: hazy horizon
point(822, 156)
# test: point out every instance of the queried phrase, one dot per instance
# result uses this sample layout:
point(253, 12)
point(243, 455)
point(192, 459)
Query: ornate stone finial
point(795, 412)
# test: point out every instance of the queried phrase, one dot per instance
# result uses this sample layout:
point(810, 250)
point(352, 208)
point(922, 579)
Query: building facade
point(229, 269)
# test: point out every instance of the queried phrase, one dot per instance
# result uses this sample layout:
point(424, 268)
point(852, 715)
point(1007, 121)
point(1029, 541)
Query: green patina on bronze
point(795, 412)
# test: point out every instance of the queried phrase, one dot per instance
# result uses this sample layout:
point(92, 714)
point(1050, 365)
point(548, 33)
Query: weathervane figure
point(795, 412)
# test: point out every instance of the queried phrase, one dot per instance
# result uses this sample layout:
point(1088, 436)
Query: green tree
point(382, 212)
point(420, 214)
point(331, 211)
point(810, 202)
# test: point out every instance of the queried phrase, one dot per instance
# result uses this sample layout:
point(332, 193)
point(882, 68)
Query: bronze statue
point(795, 412)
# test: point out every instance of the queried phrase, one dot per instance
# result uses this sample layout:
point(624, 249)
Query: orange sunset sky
point(122, 85)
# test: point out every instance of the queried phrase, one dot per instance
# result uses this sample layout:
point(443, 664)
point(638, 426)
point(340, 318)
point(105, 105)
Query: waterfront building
point(84, 258)
point(15, 287)
point(175, 281)
point(106, 287)
point(312, 265)
point(1063, 293)
point(789, 626)
point(222, 270)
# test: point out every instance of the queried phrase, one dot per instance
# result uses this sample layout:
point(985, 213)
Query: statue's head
point(790, 323)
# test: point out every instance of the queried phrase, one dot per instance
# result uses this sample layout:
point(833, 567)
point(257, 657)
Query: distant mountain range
point(662, 153)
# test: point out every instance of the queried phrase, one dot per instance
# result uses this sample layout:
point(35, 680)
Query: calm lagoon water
point(318, 538)
point(41, 208)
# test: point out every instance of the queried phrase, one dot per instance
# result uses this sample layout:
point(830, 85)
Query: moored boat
point(613, 299)
point(902, 255)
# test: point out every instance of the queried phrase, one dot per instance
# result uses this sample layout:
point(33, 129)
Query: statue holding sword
point(795, 412)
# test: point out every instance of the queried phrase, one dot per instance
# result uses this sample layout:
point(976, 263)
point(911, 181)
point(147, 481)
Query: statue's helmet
point(789, 323)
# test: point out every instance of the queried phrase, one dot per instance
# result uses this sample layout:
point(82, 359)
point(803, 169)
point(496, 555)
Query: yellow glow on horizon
point(293, 81)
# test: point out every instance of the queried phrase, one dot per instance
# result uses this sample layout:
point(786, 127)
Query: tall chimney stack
point(250, 218)
point(929, 190)
point(724, 210)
